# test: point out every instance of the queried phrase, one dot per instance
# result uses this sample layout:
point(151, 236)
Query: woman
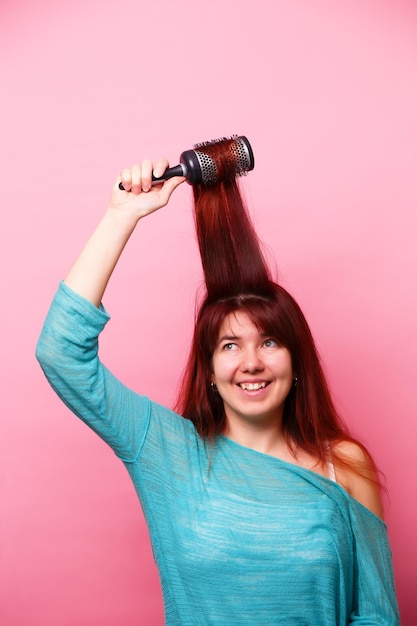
point(261, 509)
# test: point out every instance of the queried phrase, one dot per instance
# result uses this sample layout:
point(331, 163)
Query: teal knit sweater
point(239, 537)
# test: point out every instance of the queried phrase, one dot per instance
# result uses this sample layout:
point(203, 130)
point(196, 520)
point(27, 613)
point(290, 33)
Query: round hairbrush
point(212, 162)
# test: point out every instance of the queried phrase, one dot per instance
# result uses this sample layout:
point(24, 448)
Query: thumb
point(169, 187)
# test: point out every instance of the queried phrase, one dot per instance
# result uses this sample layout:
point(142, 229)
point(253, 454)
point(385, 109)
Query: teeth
point(252, 386)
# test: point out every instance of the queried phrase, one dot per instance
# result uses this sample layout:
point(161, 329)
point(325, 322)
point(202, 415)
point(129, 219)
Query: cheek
point(222, 367)
point(282, 366)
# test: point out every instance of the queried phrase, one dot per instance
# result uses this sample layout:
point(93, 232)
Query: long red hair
point(238, 279)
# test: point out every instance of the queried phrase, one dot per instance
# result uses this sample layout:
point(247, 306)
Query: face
point(252, 372)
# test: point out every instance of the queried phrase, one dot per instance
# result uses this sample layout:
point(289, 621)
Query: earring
point(294, 381)
point(213, 386)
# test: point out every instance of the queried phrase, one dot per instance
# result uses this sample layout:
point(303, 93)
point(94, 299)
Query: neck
point(268, 439)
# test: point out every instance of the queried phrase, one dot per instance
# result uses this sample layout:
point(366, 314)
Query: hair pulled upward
point(229, 247)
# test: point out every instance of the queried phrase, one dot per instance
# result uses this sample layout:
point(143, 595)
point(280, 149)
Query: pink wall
point(327, 93)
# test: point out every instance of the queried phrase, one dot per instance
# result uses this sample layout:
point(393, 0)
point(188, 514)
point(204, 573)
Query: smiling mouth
point(252, 386)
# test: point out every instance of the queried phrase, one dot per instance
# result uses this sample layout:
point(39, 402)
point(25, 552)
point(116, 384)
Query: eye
point(229, 346)
point(270, 343)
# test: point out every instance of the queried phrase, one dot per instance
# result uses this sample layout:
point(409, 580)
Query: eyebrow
point(228, 338)
point(234, 337)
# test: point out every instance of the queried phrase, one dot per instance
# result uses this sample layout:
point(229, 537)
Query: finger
point(160, 167)
point(146, 174)
point(126, 177)
point(136, 175)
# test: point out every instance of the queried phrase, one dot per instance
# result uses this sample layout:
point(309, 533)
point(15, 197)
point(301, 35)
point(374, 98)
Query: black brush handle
point(177, 170)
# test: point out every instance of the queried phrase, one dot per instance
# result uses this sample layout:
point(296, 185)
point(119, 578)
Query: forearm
point(92, 270)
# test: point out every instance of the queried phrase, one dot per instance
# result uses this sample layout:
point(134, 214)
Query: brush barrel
point(204, 169)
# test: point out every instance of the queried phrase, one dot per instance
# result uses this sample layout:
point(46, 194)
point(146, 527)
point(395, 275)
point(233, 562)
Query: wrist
point(121, 220)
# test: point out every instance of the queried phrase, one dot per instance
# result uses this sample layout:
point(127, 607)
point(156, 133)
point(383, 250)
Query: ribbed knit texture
point(239, 537)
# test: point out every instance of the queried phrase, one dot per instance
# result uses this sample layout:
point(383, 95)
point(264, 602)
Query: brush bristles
point(211, 142)
point(223, 159)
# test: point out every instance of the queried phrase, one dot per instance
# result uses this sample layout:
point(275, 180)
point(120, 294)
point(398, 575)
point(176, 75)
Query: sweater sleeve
point(67, 351)
point(374, 591)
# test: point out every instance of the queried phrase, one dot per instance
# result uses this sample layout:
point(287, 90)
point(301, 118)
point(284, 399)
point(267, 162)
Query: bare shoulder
point(360, 484)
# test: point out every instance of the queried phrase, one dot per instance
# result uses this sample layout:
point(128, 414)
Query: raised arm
point(67, 349)
point(92, 270)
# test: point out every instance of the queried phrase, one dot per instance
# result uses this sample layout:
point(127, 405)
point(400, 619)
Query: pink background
point(327, 94)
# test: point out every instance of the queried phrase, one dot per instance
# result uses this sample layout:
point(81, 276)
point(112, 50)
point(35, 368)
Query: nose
point(251, 361)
